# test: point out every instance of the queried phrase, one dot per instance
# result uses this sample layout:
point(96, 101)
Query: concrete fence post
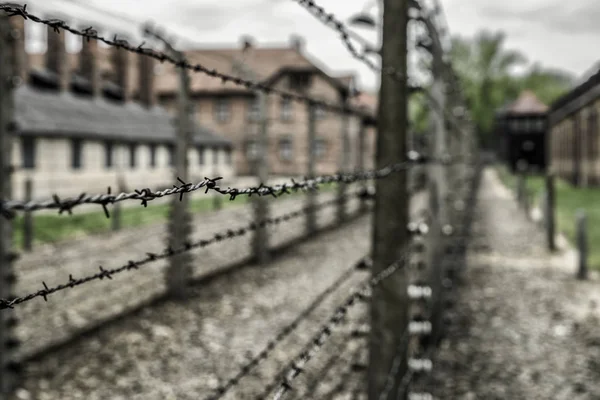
point(9, 367)
point(343, 166)
point(582, 245)
point(28, 218)
point(179, 271)
point(261, 207)
point(389, 299)
point(117, 211)
point(550, 214)
point(311, 196)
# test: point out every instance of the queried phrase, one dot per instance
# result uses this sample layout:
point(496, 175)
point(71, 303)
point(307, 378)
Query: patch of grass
point(49, 228)
point(569, 199)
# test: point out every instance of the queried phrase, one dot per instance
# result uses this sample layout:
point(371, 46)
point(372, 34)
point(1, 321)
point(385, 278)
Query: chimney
point(20, 59)
point(146, 81)
point(88, 64)
point(56, 57)
point(297, 43)
point(120, 61)
point(247, 42)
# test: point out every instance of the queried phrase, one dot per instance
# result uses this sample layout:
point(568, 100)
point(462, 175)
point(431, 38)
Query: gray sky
point(555, 33)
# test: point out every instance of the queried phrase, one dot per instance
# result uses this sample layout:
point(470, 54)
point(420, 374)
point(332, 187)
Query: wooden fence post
point(28, 218)
point(311, 196)
point(549, 218)
point(9, 367)
point(582, 245)
point(389, 299)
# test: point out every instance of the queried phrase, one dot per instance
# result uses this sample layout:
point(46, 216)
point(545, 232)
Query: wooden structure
point(573, 121)
point(521, 128)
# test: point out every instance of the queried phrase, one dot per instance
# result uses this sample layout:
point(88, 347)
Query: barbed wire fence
point(412, 264)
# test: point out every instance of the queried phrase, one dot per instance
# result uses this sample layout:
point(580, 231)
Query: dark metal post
point(582, 245)
point(389, 302)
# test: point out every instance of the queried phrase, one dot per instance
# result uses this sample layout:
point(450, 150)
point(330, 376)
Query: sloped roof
point(367, 101)
point(264, 63)
point(526, 103)
point(48, 113)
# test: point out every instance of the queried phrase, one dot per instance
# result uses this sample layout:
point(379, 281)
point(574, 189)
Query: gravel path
point(523, 327)
point(186, 350)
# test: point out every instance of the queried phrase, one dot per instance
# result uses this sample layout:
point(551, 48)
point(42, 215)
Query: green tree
point(485, 70)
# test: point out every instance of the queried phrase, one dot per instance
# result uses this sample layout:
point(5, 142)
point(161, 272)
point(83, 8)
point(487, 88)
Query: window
point(216, 156)
point(252, 150)
point(286, 109)
point(153, 155)
point(320, 148)
point(285, 149)
point(28, 152)
point(108, 154)
point(228, 156)
point(201, 155)
point(299, 81)
point(514, 125)
point(320, 112)
point(222, 110)
point(253, 109)
point(132, 149)
point(76, 149)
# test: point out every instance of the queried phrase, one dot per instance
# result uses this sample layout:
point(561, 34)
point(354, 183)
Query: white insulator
point(419, 292)
point(420, 396)
point(420, 364)
point(419, 327)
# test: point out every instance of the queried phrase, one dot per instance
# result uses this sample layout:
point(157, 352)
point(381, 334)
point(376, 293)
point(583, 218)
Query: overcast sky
point(557, 34)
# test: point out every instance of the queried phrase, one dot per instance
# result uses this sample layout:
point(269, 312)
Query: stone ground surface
point(186, 350)
point(523, 326)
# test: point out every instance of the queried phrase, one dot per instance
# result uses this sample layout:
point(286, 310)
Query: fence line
point(9, 207)
point(452, 163)
point(151, 257)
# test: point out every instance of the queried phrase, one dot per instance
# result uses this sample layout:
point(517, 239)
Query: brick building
point(85, 119)
point(574, 133)
point(233, 110)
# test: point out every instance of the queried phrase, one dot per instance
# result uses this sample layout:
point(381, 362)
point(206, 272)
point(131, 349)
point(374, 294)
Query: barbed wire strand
point(282, 334)
point(91, 33)
point(166, 253)
point(296, 367)
point(9, 207)
point(331, 20)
